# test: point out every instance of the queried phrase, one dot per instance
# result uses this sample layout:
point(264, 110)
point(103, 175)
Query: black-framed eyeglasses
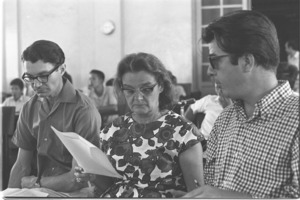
point(146, 91)
point(214, 60)
point(41, 78)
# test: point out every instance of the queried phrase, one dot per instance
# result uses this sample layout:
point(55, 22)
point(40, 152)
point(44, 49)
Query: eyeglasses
point(41, 78)
point(146, 91)
point(214, 60)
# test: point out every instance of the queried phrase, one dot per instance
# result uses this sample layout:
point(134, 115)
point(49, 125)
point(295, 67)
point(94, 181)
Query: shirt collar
point(67, 93)
point(268, 103)
point(274, 98)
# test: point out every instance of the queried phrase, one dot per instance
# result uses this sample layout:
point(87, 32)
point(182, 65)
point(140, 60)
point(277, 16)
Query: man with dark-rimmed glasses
point(56, 103)
point(253, 149)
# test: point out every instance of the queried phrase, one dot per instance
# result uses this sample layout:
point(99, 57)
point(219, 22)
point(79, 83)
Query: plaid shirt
point(260, 155)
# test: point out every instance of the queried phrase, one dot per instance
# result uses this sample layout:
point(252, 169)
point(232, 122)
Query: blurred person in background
point(18, 99)
point(292, 50)
point(102, 96)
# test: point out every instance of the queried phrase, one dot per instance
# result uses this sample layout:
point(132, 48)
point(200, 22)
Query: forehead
point(214, 48)
point(138, 78)
point(14, 87)
point(38, 67)
point(94, 76)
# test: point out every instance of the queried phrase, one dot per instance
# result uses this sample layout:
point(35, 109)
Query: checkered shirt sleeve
point(257, 155)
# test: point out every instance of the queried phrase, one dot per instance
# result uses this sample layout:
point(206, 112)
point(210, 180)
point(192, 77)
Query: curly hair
point(149, 63)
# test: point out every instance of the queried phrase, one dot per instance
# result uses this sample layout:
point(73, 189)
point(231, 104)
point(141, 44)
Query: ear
point(160, 88)
point(247, 61)
point(62, 69)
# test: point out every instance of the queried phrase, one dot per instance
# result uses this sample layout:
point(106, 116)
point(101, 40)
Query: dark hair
point(68, 76)
point(17, 82)
point(44, 50)
point(294, 44)
point(137, 62)
point(98, 73)
point(110, 82)
point(245, 32)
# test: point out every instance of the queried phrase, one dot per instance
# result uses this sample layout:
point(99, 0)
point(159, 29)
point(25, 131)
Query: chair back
point(8, 128)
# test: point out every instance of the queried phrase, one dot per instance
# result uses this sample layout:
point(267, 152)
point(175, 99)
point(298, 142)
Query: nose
point(138, 95)
point(211, 71)
point(36, 83)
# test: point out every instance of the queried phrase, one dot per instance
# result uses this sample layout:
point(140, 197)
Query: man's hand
point(29, 182)
point(208, 192)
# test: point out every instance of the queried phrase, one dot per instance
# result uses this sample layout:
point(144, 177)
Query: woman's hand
point(83, 177)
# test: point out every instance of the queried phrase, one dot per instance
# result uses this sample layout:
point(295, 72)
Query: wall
point(161, 27)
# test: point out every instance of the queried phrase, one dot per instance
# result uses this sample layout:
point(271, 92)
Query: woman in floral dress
point(153, 148)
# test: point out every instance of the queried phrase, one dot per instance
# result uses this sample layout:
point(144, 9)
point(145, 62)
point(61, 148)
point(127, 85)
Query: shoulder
point(291, 104)
point(81, 101)
point(6, 101)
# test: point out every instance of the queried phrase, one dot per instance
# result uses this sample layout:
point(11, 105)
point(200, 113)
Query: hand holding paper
point(87, 155)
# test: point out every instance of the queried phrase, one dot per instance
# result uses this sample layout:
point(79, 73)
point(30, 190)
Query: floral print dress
point(147, 155)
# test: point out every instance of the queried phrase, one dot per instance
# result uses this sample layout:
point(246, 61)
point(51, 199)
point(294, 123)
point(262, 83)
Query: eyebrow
point(142, 85)
point(212, 54)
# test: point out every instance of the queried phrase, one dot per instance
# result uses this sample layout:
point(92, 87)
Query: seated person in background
point(179, 91)
point(110, 82)
point(56, 103)
point(292, 51)
point(286, 71)
point(152, 147)
point(211, 106)
point(17, 99)
point(103, 97)
point(253, 149)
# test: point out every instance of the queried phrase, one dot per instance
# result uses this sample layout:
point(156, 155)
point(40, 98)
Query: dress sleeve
point(184, 135)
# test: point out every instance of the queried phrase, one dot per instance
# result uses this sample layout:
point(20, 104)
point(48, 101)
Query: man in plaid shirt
point(253, 150)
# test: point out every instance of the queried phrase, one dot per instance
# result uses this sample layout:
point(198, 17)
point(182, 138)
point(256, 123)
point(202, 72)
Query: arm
point(189, 114)
point(21, 168)
point(207, 192)
point(191, 163)
point(64, 183)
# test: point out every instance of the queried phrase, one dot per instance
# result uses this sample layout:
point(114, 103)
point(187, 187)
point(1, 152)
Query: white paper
point(17, 192)
point(87, 155)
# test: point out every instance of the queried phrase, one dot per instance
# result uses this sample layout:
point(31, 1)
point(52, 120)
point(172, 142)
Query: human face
point(16, 91)
point(54, 84)
point(288, 49)
point(229, 78)
point(141, 92)
point(94, 81)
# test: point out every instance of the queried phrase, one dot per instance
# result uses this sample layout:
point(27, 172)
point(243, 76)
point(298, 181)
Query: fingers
point(78, 169)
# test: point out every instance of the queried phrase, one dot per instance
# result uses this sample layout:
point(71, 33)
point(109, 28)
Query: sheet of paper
point(17, 192)
point(87, 155)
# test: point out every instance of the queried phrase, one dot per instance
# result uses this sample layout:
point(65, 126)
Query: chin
point(42, 94)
